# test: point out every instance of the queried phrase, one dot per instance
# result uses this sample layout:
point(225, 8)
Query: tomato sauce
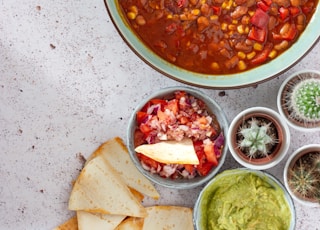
point(218, 36)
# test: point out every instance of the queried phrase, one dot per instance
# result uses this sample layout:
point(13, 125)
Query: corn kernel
point(240, 29)
point(133, 9)
point(241, 55)
point(232, 27)
point(258, 46)
point(251, 13)
point(195, 12)
point(251, 55)
point(214, 17)
point(272, 54)
point(215, 66)
point(242, 65)
point(234, 21)
point(224, 26)
point(246, 30)
point(169, 16)
point(131, 15)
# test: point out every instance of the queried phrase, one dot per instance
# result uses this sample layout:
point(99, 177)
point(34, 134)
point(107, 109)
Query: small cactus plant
point(304, 177)
point(257, 138)
point(300, 99)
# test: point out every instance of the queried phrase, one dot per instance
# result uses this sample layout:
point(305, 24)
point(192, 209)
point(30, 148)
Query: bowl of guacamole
point(244, 199)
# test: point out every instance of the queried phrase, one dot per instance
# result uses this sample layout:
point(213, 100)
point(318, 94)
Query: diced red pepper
point(263, 55)
point(260, 19)
point(263, 6)
point(258, 34)
point(289, 35)
point(216, 10)
point(283, 13)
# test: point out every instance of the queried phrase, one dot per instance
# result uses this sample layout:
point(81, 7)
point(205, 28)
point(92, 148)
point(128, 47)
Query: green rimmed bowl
point(244, 79)
point(244, 199)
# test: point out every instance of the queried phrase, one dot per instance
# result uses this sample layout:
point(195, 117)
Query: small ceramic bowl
point(228, 196)
point(299, 100)
point(303, 170)
point(276, 154)
point(212, 107)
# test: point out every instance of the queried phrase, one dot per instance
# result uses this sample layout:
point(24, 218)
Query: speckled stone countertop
point(68, 82)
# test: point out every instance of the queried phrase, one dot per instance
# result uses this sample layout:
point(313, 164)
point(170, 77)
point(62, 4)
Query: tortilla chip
point(131, 223)
point(70, 224)
point(169, 218)
point(116, 153)
point(97, 221)
point(171, 152)
point(99, 188)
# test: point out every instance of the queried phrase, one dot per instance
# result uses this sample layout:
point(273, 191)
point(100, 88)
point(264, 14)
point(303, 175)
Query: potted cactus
point(258, 138)
point(299, 100)
point(302, 175)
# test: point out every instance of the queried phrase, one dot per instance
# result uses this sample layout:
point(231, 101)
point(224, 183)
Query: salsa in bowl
point(218, 43)
point(176, 137)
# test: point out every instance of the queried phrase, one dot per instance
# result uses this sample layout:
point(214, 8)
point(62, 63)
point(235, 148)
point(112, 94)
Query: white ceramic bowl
point(200, 215)
point(284, 94)
point(212, 106)
point(257, 75)
point(301, 150)
point(233, 145)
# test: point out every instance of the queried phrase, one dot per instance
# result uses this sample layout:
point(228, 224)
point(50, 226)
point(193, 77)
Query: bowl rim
point(271, 179)
point(187, 183)
point(308, 40)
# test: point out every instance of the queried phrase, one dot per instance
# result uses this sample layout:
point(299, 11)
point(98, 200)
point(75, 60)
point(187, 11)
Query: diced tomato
point(210, 154)
point(189, 168)
point(306, 9)
point(141, 117)
point(258, 34)
point(283, 13)
point(263, 6)
point(172, 105)
point(204, 169)
point(184, 120)
point(260, 19)
point(294, 11)
point(146, 106)
point(148, 161)
point(156, 101)
point(145, 129)
point(263, 55)
point(139, 138)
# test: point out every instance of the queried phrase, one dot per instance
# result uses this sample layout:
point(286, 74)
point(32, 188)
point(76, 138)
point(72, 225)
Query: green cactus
point(257, 139)
point(304, 177)
point(304, 100)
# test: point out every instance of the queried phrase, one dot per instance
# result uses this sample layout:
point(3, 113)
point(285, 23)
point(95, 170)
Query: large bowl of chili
point(219, 43)
point(176, 114)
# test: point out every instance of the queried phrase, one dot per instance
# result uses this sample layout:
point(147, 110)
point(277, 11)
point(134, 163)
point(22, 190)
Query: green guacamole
point(244, 201)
